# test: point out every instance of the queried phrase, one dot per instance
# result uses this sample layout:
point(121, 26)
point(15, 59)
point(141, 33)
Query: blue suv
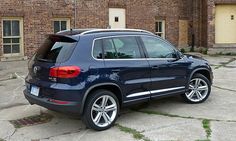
point(96, 72)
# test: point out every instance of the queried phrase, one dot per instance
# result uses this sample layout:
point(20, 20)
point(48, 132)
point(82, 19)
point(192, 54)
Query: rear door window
point(127, 47)
point(117, 48)
point(56, 48)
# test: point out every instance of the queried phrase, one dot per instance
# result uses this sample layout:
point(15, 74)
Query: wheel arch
point(106, 86)
point(204, 71)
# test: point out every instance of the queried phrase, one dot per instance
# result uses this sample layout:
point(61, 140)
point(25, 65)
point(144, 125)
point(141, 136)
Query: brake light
point(64, 72)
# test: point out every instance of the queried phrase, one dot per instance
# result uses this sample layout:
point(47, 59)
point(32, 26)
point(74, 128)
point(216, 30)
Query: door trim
point(154, 91)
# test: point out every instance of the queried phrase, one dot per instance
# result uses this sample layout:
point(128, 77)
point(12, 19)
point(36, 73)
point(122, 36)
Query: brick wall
point(38, 16)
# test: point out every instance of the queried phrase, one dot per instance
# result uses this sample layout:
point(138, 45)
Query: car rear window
point(56, 48)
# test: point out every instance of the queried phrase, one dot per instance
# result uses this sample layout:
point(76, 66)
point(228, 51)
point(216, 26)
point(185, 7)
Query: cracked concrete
point(221, 105)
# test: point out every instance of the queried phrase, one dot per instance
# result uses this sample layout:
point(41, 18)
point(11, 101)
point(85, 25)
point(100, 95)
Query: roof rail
point(114, 30)
point(74, 31)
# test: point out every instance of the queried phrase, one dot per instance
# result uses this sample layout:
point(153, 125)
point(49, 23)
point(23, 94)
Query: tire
point(199, 89)
point(95, 115)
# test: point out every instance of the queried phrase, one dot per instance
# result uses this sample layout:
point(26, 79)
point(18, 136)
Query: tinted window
point(97, 49)
point(56, 49)
point(157, 48)
point(109, 49)
point(127, 47)
point(121, 48)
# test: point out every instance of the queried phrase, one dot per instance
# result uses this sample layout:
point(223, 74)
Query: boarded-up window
point(183, 33)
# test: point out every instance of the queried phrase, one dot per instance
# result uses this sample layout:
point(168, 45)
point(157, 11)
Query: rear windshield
point(56, 49)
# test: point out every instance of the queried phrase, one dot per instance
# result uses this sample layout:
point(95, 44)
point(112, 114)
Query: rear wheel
point(101, 110)
point(199, 89)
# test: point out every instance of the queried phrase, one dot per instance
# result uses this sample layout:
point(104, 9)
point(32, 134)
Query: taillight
point(64, 72)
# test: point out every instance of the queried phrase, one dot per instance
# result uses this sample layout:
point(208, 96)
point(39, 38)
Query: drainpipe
point(192, 27)
point(75, 13)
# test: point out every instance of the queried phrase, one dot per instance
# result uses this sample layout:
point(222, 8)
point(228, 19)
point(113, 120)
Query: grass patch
point(136, 134)
point(225, 63)
point(206, 126)
point(204, 140)
point(2, 139)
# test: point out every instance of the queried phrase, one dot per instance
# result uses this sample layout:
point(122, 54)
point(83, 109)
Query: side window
point(109, 49)
point(157, 48)
point(127, 47)
point(97, 49)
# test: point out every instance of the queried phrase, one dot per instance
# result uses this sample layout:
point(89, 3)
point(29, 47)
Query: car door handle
point(155, 67)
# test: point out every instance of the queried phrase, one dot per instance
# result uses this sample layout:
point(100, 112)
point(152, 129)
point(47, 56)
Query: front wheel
point(101, 110)
point(199, 89)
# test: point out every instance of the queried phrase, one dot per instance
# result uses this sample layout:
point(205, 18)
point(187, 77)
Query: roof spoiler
point(61, 38)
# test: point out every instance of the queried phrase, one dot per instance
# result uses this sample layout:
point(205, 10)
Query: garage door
point(225, 24)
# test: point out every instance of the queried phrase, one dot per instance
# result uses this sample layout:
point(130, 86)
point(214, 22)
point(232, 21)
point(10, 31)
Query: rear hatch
point(55, 50)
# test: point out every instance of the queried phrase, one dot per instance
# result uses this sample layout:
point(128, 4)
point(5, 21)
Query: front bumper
point(70, 107)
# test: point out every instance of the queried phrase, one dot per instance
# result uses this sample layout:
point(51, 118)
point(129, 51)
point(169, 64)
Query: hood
point(194, 57)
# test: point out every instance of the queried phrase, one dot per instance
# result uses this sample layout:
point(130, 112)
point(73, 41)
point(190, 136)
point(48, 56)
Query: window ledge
point(13, 58)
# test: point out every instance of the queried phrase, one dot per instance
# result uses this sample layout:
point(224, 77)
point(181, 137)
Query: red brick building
point(24, 23)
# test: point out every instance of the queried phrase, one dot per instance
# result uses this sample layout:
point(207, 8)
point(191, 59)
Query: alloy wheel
point(198, 90)
point(104, 111)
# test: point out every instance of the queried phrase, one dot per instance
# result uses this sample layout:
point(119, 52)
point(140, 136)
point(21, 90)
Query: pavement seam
point(18, 76)
point(225, 63)
point(223, 88)
point(178, 116)
point(9, 137)
point(65, 133)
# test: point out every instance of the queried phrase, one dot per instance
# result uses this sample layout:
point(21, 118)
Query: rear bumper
point(70, 107)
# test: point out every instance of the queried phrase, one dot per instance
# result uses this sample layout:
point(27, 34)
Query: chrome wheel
point(198, 90)
point(104, 111)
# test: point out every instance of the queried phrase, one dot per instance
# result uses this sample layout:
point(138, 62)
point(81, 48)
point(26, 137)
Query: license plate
point(34, 90)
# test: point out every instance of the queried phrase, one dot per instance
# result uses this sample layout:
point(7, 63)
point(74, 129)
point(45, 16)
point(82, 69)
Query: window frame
point(61, 20)
point(163, 22)
point(108, 37)
point(20, 37)
point(162, 40)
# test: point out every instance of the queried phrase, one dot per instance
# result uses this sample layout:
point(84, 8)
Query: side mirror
point(179, 55)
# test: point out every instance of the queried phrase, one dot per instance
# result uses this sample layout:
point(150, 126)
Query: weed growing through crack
point(206, 126)
point(136, 134)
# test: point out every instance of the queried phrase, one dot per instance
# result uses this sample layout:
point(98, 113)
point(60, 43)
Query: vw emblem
point(35, 69)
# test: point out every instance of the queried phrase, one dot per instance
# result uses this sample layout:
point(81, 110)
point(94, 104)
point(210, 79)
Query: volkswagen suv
point(94, 73)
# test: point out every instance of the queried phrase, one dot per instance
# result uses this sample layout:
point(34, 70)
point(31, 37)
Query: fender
point(91, 88)
point(195, 70)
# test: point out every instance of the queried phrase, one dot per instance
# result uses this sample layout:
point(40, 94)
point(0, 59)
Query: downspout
point(192, 30)
point(75, 13)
